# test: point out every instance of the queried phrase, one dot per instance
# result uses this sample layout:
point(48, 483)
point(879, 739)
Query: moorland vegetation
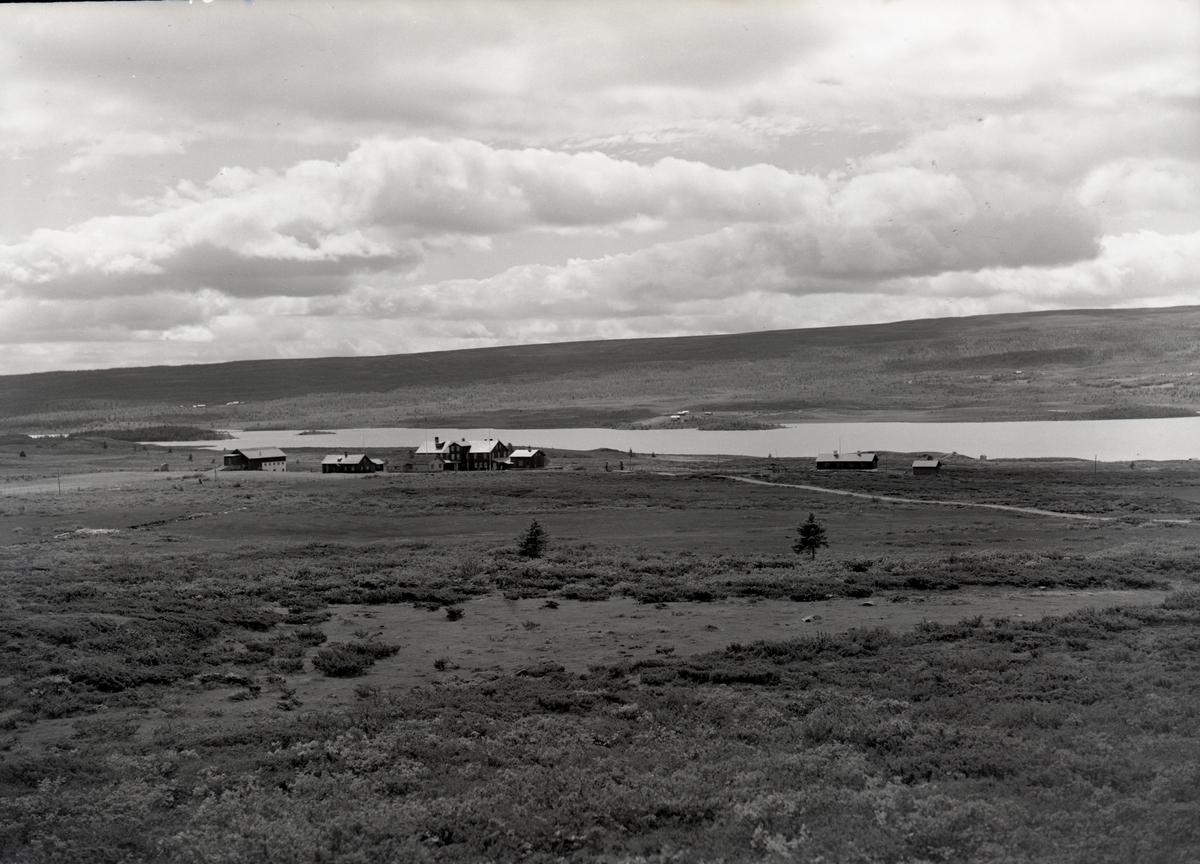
point(1070, 739)
point(151, 678)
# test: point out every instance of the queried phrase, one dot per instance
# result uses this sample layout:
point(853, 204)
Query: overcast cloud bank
point(386, 180)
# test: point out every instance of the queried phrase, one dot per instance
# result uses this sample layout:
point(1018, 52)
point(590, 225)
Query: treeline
point(155, 433)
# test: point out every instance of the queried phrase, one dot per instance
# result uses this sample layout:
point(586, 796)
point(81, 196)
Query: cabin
point(856, 461)
point(925, 465)
point(525, 458)
point(266, 459)
point(351, 463)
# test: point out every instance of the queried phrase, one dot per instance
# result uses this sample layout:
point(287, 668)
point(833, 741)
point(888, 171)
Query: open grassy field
point(315, 668)
point(1044, 365)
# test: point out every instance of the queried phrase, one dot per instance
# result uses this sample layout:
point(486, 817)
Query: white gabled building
point(486, 454)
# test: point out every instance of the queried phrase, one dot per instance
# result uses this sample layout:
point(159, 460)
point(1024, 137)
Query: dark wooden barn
point(266, 459)
point(351, 463)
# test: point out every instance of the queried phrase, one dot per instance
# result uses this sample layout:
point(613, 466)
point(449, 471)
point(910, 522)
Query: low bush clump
point(350, 659)
point(1184, 598)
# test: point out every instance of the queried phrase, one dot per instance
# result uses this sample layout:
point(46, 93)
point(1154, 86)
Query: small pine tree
point(532, 541)
point(812, 537)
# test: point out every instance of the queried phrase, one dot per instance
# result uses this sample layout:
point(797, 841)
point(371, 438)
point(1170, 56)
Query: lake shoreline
point(1159, 439)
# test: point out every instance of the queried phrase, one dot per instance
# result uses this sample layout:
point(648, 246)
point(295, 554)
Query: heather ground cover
point(1073, 739)
point(279, 669)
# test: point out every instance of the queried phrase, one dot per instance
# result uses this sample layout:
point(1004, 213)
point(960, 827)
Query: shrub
point(374, 650)
point(730, 673)
point(453, 613)
point(580, 591)
point(813, 593)
point(1185, 598)
point(341, 662)
point(347, 660)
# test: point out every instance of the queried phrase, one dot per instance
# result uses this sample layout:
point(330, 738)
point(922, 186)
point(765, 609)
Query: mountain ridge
point(784, 369)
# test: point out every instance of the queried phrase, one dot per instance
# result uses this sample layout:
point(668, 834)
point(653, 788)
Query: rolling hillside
point(1142, 362)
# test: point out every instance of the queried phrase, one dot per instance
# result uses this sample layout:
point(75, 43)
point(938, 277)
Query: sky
point(194, 182)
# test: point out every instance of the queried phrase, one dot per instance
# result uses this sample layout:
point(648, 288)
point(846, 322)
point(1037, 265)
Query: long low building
point(351, 463)
point(266, 459)
point(856, 461)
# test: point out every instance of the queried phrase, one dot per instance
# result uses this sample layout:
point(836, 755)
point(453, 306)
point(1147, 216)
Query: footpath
point(1034, 511)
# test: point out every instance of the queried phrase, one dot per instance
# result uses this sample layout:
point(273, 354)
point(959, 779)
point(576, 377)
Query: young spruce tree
point(532, 541)
point(812, 537)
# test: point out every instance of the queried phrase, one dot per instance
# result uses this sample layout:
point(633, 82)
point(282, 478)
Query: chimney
point(437, 442)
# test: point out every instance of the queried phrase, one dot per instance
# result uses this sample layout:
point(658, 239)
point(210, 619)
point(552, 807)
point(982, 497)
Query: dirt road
point(894, 499)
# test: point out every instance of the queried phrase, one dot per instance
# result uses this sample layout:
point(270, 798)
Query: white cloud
point(118, 144)
point(418, 173)
point(393, 200)
point(1152, 194)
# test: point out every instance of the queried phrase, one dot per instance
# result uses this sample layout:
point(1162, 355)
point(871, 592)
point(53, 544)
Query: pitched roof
point(346, 459)
point(486, 445)
point(927, 463)
point(523, 453)
point(264, 453)
point(857, 456)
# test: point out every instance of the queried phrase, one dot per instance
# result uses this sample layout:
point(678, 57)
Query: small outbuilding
point(856, 461)
point(526, 458)
point(351, 463)
point(926, 466)
point(266, 459)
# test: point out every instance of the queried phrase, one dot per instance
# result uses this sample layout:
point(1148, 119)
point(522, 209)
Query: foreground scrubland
point(193, 688)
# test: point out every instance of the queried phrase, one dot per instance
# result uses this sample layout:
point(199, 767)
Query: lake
point(1109, 440)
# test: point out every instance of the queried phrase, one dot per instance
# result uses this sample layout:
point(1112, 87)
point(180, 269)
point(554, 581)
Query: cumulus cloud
point(427, 178)
point(742, 266)
point(1151, 194)
point(308, 229)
